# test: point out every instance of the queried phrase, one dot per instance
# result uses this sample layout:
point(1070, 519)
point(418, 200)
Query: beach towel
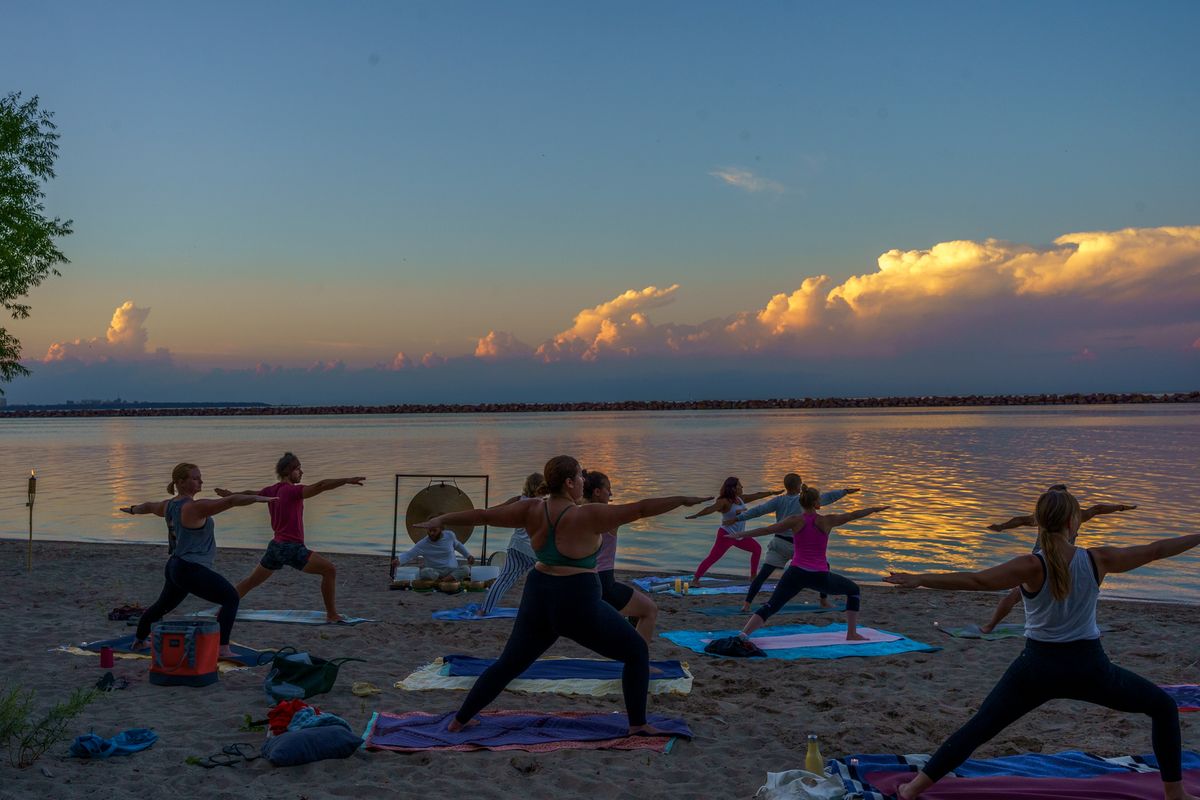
point(790, 608)
point(90, 745)
point(809, 641)
point(289, 616)
point(579, 676)
point(1185, 695)
point(243, 656)
point(467, 613)
point(1069, 774)
point(657, 584)
point(518, 730)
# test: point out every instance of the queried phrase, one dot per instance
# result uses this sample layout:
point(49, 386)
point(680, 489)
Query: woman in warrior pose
point(730, 503)
point(621, 596)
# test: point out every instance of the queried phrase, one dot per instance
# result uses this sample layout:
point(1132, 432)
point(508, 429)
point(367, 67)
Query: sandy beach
point(749, 717)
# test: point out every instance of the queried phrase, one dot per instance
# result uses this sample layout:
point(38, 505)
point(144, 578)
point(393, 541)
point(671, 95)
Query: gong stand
point(435, 478)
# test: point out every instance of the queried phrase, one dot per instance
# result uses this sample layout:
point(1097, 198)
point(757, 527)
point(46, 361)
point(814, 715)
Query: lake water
point(946, 473)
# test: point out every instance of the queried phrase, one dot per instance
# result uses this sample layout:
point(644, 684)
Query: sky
point(388, 202)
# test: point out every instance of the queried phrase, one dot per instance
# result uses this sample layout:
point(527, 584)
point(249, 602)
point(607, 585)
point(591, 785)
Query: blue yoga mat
point(790, 608)
point(565, 668)
point(124, 644)
point(467, 613)
point(694, 640)
point(428, 732)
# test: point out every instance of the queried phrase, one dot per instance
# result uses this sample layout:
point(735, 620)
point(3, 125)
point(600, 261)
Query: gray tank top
point(197, 545)
point(1071, 619)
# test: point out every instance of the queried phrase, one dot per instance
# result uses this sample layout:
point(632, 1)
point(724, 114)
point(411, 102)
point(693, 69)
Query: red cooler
point(184, 652)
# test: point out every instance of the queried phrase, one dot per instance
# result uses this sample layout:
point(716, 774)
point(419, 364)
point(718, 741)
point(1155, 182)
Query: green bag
point(295, 675)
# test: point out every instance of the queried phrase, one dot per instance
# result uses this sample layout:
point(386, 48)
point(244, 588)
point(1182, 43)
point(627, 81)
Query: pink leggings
point(721, 546)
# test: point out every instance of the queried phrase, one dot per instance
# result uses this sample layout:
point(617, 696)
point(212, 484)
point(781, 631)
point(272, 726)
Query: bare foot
point(647, 730)
point(987, 628)
point(139, 646)
point(745, 607)
point(334, 618)
point(454, 726)
point(903, 793)
point(226, 652)
point(855, 637)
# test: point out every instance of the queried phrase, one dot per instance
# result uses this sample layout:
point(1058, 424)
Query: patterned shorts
point(280, 554)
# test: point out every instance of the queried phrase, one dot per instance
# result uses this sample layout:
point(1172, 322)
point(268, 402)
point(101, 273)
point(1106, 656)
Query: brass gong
point(437, 498)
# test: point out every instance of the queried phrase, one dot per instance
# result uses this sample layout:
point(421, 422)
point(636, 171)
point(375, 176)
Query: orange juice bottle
point(813, 761)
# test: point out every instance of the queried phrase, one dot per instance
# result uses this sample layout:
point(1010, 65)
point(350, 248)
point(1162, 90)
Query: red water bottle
point(106, 658)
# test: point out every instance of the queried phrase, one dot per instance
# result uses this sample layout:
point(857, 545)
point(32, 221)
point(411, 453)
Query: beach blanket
point(518, 730)
point(580, 676)
point(467, 613)
point(657, 584)
point(1069, 774)
point(809, 641)
point(790, 608)
point(1185, 695)
point(243, 656)
point(282, 615)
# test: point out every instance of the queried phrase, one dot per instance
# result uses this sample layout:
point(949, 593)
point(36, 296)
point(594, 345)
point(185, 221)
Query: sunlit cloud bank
point(746, 180)
point(125, 339)
point(1094, 311)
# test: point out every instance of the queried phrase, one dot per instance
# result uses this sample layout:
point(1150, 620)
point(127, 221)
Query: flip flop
point(89, 745)
point(242, 750)
point(133, 740)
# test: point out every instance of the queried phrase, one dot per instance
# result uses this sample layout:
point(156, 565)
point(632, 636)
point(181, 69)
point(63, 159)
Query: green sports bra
point(548, 553)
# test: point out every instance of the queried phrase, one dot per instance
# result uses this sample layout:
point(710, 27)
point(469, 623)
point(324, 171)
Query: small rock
point(47, 772)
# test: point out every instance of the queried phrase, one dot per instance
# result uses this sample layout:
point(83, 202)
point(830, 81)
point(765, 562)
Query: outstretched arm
point(157, 508)
point(758, 511)
point(720, 505)
point(833, 520)
point(1104, 508)
point(1124, 559)
point(219, 492)
point(612, 516)
point(1023, 521)
point(785, 525)
point(1022, 569)
point(750, 498)
point(834, 495)
point(314, 489)
point(509, 515)
point(195, 512)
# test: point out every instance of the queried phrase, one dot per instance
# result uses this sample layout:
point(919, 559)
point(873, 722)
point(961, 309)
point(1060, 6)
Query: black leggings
point(764, 572)
point(570, 606)
point(1077, 670)
point(794, 579)
point(615, 594)
point(184, 578)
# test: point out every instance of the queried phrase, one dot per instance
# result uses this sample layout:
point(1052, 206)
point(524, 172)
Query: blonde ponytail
point(1056, 513)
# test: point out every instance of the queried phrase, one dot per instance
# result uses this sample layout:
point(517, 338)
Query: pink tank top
point(810, 543)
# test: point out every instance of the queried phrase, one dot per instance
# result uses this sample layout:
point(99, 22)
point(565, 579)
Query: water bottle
point(813, 760)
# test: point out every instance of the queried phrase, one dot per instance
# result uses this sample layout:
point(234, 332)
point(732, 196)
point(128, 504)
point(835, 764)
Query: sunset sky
point(452, 201)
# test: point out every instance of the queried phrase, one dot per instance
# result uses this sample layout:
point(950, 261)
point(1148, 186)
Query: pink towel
point(818, 639)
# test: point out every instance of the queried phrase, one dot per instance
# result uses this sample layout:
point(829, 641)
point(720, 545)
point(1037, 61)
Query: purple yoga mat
point(1131, 786)
point(509, 730)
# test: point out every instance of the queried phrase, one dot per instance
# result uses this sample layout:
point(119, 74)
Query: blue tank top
point(197, 545)
point(1072, 618)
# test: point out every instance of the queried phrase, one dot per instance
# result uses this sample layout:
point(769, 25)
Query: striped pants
point(516, 564)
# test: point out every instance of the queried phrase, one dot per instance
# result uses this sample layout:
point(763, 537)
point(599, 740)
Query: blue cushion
point(310, 744)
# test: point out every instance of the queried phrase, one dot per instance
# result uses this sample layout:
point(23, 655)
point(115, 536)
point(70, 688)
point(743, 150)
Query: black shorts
point(615, 594)
point(281, 554)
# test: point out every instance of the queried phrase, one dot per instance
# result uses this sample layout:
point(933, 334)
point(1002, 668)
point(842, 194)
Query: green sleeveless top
point(548, 553)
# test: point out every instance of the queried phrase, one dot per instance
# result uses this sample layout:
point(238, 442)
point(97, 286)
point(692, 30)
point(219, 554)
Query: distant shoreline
point(177, 409)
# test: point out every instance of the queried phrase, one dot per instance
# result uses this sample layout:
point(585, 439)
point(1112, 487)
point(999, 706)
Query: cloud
point(401, 361)
point(498, 345)
point(125, 338)
point(747, 181)
point(617, 324)
point(433, 360)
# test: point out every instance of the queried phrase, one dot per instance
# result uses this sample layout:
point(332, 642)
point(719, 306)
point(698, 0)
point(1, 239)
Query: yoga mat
point(517, 730)
point(875, 776)
point(467, 613)
point(282, 615)
point(243, 656)
point(1005, 630)
point(808, 641)
point(1185, 695)
point(595, 678)
point(657, 584)
point(790, 608)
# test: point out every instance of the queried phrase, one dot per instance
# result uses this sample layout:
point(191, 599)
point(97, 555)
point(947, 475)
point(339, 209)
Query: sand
point(748, 717)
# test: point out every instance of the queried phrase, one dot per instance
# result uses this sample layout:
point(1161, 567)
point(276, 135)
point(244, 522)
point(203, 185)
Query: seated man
point(435, 556)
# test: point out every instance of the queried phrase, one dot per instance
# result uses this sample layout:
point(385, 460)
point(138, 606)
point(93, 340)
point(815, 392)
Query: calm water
point(946, 473)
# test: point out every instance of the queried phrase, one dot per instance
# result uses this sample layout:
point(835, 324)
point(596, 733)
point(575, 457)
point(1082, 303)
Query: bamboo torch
point(32, 494)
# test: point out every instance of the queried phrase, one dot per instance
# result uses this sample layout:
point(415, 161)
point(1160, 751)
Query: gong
point(437, 498)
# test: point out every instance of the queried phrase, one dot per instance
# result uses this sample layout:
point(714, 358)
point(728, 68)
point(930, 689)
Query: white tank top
point(728, 521)
point(1070, 619)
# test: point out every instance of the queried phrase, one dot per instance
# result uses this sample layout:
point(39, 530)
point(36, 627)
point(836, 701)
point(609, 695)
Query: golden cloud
point(125, 338)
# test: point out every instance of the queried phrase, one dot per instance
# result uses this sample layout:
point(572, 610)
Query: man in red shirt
point(287, 521)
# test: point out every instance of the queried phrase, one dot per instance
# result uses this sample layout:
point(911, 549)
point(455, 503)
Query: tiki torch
point(32, 495)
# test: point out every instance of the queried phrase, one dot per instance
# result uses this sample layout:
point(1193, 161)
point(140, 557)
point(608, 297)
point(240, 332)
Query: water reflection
point(946, 475)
